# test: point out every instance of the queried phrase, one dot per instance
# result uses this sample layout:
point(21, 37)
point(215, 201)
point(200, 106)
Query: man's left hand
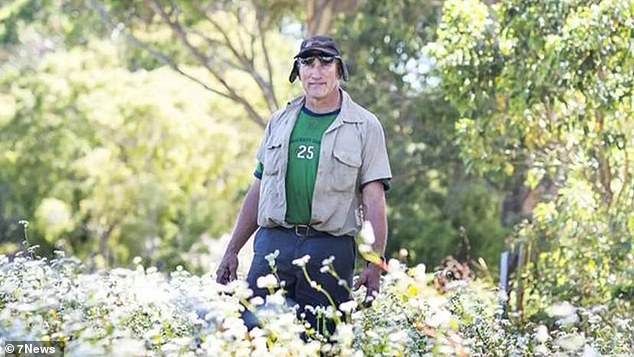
point(371, 279)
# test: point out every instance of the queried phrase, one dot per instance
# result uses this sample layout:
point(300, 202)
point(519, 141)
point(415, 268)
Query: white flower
point(562, 310)
point(272, 256)
point(301, 262)
point(418, 273)
point(398, 337)
point(240, 289)
point(328, 260)
point(541, 334)
point(329, 312)
point(324, 269)
point(367, 233)
point(394, 266)
point(568, 320)
point(594, 319)
point(256, 332)
point(348, 306)
point(623, 324)
point(325, 348)
point(257, 301)
point(276, 299)
point(571, 342)
point(598, 309)
point(542, 350)
point(441, 317)
point(137, 260)
point(345, 333)
point(268, 281)
point(457, 285)
point(589, 351)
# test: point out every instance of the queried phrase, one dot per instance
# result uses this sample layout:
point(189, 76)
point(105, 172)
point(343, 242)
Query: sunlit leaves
point(131, 156)
point(562, 115)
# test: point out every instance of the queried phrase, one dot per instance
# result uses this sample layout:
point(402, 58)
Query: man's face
point(319, 75)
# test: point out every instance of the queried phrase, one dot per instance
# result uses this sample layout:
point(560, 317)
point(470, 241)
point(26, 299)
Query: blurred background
point(129, 128)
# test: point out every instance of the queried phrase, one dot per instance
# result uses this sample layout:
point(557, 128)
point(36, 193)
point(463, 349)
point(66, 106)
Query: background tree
point(320, 15)
point(119, 163)
point(545, 88)
point(220, 36)
point(436, 209)
point(231, 40)
point(240, 52)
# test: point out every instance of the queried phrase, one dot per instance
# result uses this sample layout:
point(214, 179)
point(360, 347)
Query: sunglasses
point(323, 59)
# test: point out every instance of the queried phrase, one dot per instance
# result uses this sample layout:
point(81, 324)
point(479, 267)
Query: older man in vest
point(322, 171)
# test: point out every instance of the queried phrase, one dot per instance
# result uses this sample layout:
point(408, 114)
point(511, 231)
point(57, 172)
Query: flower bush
point(141, 311)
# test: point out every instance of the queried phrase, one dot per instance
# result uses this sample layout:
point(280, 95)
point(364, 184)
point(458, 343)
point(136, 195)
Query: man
point(322, 170)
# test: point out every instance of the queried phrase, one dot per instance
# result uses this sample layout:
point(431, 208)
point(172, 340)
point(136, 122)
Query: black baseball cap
point(318, 44)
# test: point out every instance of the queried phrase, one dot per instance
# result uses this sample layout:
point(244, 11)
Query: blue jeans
point(318, 246)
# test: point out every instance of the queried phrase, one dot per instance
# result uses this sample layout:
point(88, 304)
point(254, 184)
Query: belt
point(304, 230)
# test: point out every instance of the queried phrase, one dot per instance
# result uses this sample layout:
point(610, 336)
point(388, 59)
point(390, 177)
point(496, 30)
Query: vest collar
point(348, 113)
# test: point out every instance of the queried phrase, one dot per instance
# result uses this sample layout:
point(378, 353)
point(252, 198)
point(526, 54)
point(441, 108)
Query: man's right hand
point(227, 270)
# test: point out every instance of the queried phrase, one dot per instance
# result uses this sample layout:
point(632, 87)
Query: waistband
point(307, 231)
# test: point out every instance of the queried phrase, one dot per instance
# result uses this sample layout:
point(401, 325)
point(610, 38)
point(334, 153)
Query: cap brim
point(307, 51)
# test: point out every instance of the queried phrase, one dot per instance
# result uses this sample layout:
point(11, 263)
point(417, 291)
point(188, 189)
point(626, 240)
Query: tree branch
point(204, 60)
point(240, 41)
point(161, 57)
point(605, 174)
point(252, 46)
point(626, 174)
point(248, 64)
point(267, 60)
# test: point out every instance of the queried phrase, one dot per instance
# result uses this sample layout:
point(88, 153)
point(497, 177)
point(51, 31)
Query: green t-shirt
point(303, 160)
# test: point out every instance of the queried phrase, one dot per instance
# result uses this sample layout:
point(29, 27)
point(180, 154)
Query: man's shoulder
point(360, 113)
point(278, 114)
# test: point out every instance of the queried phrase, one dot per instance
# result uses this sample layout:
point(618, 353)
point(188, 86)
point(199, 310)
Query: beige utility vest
point(353, 153)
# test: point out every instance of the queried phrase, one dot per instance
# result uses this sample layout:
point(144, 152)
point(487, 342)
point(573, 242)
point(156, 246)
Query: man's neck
point(325, 105)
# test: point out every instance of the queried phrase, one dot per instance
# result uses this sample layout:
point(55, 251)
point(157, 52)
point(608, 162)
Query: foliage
point(140, 311)
point(61, 17)
point(429, 187)
point(236, 43)
point(435, 208)
point(119, 163)
point(545, 88)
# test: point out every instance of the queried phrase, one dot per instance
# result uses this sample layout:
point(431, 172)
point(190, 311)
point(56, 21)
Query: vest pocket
point(345, 170)
point(272, 159)
point(270, 184)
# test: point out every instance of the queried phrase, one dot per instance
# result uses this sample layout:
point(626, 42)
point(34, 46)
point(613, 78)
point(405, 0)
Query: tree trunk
point(321, 13)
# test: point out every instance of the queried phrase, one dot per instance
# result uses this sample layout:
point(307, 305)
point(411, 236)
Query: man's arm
point(374, 209)
point(246, 224)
